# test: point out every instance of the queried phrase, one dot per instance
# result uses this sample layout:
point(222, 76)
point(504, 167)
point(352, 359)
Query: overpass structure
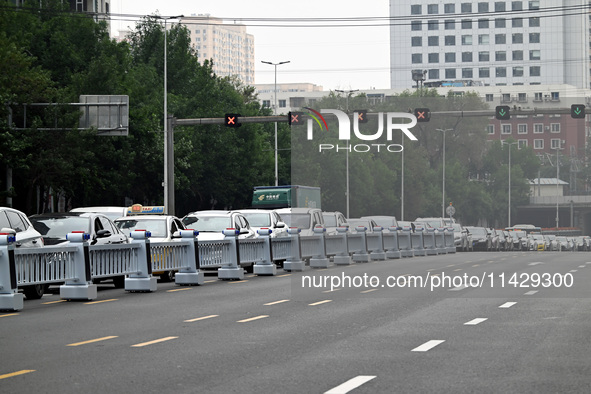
point(573, 211)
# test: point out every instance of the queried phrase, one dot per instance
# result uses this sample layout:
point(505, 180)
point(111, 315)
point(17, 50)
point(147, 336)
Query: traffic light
point(422, 114)
point(361, 115)
point(502, 112)
point(231, 120)
point(577, 111)
point(295, 118)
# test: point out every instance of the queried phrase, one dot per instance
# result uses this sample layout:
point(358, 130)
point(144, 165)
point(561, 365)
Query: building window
point(416, 41)
point(517, 38)
point(466, 7)
point(282, 103)
point(500, 72)
point(417, 58)
point(484, 72)
point(482, 7)
point(466, 23)
point(522, 97)
point(535, 71)
point(466, 57)
point(555, 127)
point(267, 103)
point(516, 6)
point(415, 10)
point(483, 23)
point(538, 128)
point(534, 5)
point(500, 39)
point(506, 129)
point(521, 129)
point(433, 9)
point(500, 56)
point(467, 73)
point(534, 21)
point(500, 6)
point(534, 54)
point(538, 144)
point(538, 96)
point(433, 74)
point(521, 144)
point(490, 129)
point(534, 38)
point(466, 40)
point(450, 24)
point(483, 39)
point(500, 23)
point(433, 41)
point(433, 25)
point(517, 22)
point(450, 40)
point(518, 71)
point(450, 57)
point(555, 96)
point(555, 143)
point(517, 55)
point(449, 8)
point(483, 56)
point(416, 25)
point(488, 97)
point(450, 73)
point(433, 58)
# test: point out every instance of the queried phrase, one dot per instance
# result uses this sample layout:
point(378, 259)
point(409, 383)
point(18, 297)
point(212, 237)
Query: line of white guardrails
point(76, 264)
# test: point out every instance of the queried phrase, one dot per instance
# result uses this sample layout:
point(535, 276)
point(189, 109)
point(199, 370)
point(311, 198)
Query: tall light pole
point(347, 149)
point(168, 139)
point(443, 182)
point(557, 183)
point(275, 113)
point(509, 207)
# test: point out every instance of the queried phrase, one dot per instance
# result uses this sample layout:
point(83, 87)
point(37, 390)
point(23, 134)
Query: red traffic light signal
point(361, 115)
point(231, 120)
point(295, 118)
point(422, 114)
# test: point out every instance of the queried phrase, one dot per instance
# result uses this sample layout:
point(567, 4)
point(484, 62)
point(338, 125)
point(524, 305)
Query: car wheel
point(119, 282)
point(34, 292)
point(167, 276)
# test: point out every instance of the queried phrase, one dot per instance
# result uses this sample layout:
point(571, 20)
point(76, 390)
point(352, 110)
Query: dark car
point(480, 238)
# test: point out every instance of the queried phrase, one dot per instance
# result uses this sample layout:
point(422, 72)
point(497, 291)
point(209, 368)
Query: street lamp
point(275, 113)
point(168, 139)
point(347, 149)
point(558, 148)
point(443, 182)
point(509, 208)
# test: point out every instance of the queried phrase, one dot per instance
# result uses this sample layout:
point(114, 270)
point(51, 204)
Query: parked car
point(581, 243)
point(303, 218)
point(462, 239)
point(16, 222)
point(519, 240)
point(54, 227)
point(565, 244)
point(334, 219)
point(163, 228)
point(494, 239)
point(211, 224)
point(110, 212)
point(369, 224)
point(480, 238)
point(384, 221)
point(509, 242)
point(551, 242)
point(436, 222)
point(263, 218)
point(537, 242)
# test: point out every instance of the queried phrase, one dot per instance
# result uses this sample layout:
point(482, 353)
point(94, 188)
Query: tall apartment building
point(229, 46)
point(496, 43)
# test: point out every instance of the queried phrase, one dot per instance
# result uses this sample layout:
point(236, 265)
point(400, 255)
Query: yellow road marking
point(92, 341)
point(53, 302)
point(9, 375)
point(173, 290)
point(252, 319)
point(281, 276)
point(98, 302)
point(10, 314)
point(276, 302)
point(200, 318)
point(154, 341)
point(210, 281)
point(320, 302)
point(330, 291)
point(368, 291)
point(238, 281)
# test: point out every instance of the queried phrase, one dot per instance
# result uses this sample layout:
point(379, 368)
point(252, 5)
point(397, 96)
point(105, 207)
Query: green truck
point(288, 196)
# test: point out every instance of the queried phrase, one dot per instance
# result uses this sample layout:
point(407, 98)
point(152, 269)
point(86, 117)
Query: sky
point(345, 57)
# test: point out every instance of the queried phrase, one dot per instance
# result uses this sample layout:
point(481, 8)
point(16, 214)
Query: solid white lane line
point(320, 302)
point(350, 384)
point(368, 291)
point(428, 345)
point(92, 341)
point(276, 302)
point(153, 342)
point(458, 288)
point(532, 292)
point(252, 319)
point(573, 271)
point(476, 321)
point(507, 305)
point(200, 318)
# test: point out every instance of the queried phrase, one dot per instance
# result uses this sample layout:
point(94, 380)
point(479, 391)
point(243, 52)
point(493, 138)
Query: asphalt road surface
point(452, 323)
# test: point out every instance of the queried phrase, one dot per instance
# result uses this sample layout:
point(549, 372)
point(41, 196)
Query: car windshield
point(208, 223)
point(478, 231)
point(330, 220)
point(258, 219)
point(538, 237)
point(432, 223)
point(156, 227)
point(300, 220)
point(457, 227)
point(60, 226)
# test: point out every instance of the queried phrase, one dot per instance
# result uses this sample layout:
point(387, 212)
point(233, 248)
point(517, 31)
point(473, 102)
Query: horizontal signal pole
point(240, 119)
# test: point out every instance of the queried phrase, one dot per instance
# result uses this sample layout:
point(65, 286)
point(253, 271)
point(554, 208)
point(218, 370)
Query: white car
point(13, 221)
point(334, 219)
point(210, 224)
point(306, 219)
point(262, 218)
point(110, 212)
point(163, 228)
